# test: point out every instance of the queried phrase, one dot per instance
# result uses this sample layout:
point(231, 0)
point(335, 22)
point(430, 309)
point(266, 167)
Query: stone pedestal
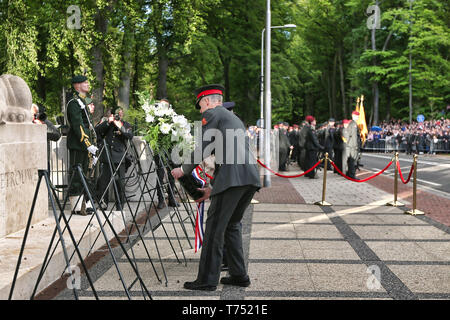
point(23, 150)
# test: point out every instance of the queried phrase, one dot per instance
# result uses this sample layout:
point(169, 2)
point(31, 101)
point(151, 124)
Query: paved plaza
point(356, 249)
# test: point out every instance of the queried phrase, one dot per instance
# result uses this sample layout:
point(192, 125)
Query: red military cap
point(206, 91)
point(356, 113)
point(345, 121)
point(309, 119)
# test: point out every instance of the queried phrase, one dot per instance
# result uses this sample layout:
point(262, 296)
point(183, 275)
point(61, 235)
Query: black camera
point(116, 117)
point(40, 116)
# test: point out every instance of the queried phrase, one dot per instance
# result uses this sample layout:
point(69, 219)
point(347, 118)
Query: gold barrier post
point(324, 187)
point(414, 211)
point(395, 203)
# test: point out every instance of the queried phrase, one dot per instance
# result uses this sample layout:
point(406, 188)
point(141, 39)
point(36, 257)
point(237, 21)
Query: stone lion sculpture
point(15, 100)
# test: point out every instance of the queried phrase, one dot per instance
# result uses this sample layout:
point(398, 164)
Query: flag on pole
point(362, 125)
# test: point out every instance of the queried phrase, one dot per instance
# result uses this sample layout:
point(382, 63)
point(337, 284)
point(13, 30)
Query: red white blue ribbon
point(200, 212)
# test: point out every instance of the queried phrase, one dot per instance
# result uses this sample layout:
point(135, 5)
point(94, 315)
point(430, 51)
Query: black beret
point(79, 79)
point(206, 91)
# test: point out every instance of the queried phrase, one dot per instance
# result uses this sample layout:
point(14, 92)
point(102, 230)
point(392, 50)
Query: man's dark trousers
point(223, 226)
point(81, 158)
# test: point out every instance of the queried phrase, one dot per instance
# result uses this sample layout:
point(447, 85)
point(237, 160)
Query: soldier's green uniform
point(78, 138)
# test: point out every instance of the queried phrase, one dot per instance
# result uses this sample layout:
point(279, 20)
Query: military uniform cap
point(79, 79)
point(309, 119)
point(207, 91)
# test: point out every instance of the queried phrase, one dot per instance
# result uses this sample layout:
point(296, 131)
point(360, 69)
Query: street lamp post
point(410, 67)
point(267, 99)
point(266, 95)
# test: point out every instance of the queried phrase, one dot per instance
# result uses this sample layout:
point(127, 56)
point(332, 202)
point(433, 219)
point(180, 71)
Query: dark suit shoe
point(224, 267)
point(194, 285)
point(161, 205)
point(173, 204)
point(236, 281)
point(90, 211)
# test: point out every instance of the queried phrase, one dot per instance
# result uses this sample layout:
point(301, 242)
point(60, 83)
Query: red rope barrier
point(288, 177)
point(401, 175)
point(363, 180)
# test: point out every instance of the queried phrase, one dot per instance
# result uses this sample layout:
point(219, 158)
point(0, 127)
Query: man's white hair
point(216, 98)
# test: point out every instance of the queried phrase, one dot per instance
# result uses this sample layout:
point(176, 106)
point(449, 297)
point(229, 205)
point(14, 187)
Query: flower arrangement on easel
point(163, 128)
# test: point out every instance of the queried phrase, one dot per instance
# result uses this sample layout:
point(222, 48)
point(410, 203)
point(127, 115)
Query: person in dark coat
point(232, 190)
point(338, 147)
point(295, 151)
point(115, 132)
point(312, 146)
point(329, 139)
point(301, 146)
point(283, 147)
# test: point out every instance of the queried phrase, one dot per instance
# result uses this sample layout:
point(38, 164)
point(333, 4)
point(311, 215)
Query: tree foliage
point(170, 47)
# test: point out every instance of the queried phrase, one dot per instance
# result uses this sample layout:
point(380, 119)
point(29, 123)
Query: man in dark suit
point(236, 179)
point(115, 133)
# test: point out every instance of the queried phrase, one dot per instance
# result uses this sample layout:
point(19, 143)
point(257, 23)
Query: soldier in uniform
point(329, 134)
point(350, 136)
point(338, 146)
point(82, 150)
point(283, 147)
point(301, 146)
point(115, 132)
point(231, 192)
point(295, 150)
point(312, 146)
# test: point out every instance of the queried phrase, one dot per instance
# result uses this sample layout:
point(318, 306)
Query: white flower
point(165, 128)
point(146, 107)
point(149, 118)
point(180, 121)
point(160, 111)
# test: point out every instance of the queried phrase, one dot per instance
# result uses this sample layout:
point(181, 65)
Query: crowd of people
point(306, 143)
point(418, 137)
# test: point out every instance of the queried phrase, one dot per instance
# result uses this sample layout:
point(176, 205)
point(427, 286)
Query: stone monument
point(23, 150)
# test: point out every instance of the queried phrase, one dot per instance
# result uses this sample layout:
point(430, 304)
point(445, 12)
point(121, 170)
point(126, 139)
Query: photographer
point(115, 133)
point(40, 117)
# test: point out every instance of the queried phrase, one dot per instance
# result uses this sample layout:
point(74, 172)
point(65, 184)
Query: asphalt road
point(433, 170)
